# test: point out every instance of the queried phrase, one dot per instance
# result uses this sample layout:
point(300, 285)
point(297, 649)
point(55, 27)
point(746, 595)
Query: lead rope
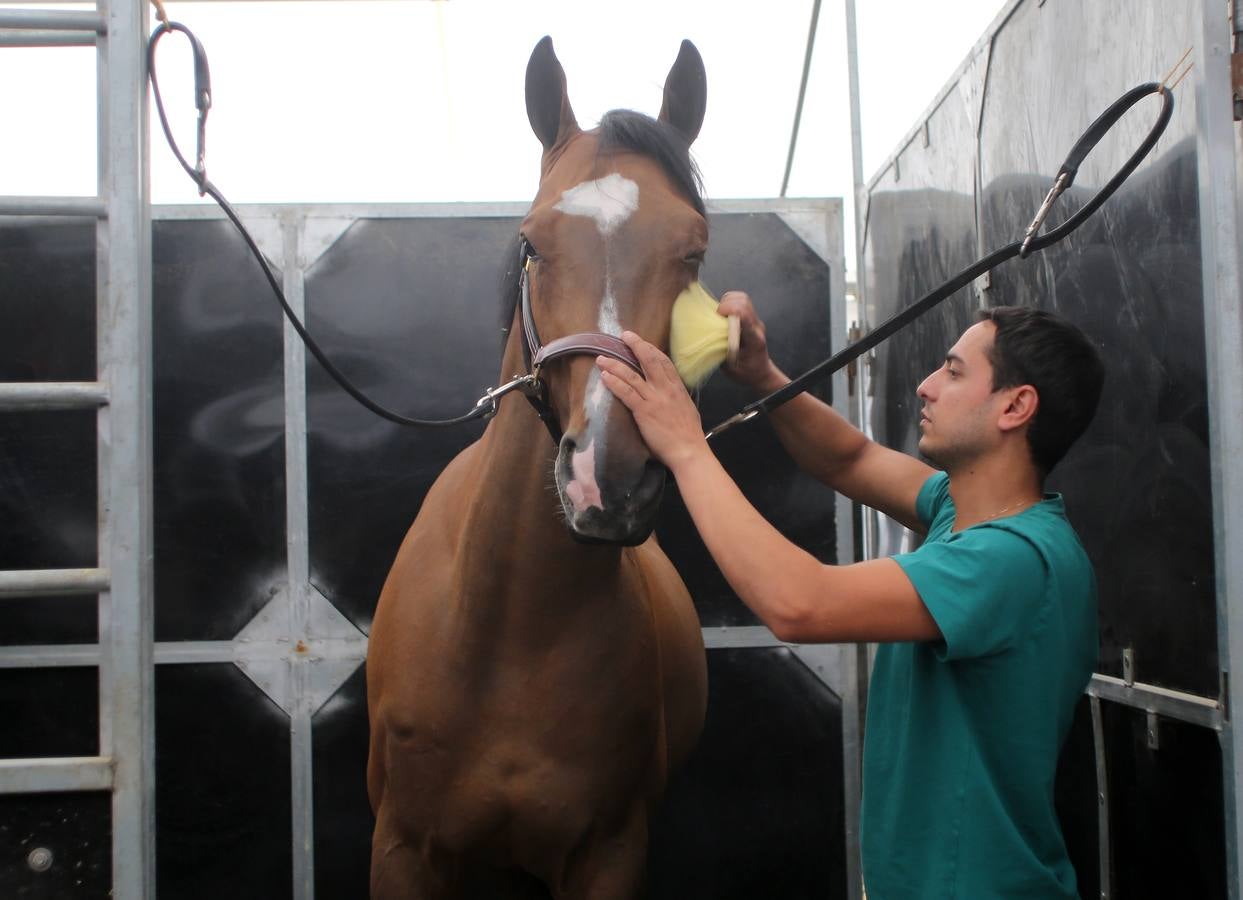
point(484, 408)
point(1031, 242)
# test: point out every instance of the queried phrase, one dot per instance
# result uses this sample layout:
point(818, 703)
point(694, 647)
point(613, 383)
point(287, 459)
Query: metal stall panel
point(264, 592)
point(968, 181)
point(920, 228)
point(219, 542)
point(1137, 484)
point(415, 301)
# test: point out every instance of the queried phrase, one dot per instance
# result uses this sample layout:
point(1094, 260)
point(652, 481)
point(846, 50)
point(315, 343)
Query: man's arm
point(794, 594)
point(822, 442)
point(799, 598)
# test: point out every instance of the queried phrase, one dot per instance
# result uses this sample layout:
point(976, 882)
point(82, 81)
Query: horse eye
point(695, 258)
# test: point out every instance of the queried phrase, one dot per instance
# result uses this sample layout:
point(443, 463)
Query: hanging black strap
point(1032, 241)
point(202, 100)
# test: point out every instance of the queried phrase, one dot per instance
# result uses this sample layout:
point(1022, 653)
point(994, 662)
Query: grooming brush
point(700, 338)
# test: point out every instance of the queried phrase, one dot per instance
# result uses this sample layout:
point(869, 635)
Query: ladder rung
point(52, 395)
point(91, 207)
point(39, 582)
point(49, 656)
point(66, 773)
point(52, 20)
point(24, 38)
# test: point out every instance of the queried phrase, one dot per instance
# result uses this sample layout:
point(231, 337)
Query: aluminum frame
point(296, 654)
point(122, 578)
point(1218, 154)
point(126, 611)
point(1219, 151)
point(283, 234)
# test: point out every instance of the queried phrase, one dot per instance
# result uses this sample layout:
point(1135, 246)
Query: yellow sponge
point(700, 338)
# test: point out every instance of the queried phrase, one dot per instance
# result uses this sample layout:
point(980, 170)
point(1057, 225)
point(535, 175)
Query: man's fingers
point(736, 303)
point(621, 375)
point(653, 361)
point(621, 389)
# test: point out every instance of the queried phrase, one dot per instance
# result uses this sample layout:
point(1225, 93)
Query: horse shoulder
point(420, 570)
point(679, 640)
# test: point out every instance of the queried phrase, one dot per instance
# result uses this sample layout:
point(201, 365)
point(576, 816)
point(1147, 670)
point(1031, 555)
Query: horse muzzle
point(607, 503)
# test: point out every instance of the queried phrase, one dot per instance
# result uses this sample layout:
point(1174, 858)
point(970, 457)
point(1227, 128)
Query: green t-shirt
point(963, 735)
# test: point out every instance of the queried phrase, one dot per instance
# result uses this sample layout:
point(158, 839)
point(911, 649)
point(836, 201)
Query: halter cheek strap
point(537, 355)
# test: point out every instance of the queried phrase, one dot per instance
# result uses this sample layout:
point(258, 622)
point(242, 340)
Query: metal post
point(802, 92)
point(857, 683)
point(1216, 149)
point(1104, 841)
point(126, 671)
point(298, 560)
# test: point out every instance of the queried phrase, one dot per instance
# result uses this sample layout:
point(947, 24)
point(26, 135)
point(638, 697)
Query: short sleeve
point(983, 586)
point(932, 498)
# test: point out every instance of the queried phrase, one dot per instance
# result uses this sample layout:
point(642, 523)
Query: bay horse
point(536, 666)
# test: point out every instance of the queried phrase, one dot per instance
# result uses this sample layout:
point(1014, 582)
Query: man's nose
point(925, 386)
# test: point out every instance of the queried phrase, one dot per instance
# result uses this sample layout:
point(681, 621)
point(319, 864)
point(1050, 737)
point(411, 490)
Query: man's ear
point(1020, 408)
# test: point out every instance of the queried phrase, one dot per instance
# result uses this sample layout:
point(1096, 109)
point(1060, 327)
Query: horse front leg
point(402, 870)
point(610, 865)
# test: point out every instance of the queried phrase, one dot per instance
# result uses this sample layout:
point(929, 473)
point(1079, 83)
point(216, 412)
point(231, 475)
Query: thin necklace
point(1004, 509)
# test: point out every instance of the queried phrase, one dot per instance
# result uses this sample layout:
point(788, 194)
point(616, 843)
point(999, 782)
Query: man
point(989, 628)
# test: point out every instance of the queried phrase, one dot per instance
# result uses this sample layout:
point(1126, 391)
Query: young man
point(989, 628)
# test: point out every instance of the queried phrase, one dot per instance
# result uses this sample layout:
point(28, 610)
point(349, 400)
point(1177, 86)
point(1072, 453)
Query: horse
point(536, 667)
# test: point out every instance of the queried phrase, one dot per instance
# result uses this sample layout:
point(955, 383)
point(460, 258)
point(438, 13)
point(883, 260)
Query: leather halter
point(536, 355)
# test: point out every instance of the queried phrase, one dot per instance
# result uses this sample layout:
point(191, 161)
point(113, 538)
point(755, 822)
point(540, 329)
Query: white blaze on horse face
point(584, 490)
point(609, 201)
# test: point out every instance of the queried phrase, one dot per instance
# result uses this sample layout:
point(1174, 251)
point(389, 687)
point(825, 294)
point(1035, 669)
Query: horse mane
point(622, 129)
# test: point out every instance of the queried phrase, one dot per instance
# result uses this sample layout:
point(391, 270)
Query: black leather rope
point(198, 172)
point(1032, 241)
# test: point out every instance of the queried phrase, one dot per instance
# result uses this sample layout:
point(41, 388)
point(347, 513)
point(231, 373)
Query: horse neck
point(513, 529)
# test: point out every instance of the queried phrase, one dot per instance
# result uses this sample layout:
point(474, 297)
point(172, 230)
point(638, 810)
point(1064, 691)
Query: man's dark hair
point(1035, 347)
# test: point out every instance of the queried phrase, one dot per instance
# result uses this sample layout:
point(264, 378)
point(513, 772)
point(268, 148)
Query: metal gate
point(105, 404)
point(278, 505)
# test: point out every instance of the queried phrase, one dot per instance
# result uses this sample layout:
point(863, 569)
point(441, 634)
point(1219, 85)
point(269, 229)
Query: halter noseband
point(536, 355)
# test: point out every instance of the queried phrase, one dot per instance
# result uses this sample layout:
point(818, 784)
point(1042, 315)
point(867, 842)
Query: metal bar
point(55, 775)
point(48, 656)
point(52, 20)
point(302, 783)
point(16, 396)
point(856, 144)
point(23, 38)
point(1171, 704)
point(742, 637)
point(172, 653)
point(297, 556)
point(1217, 149)
point(43, 582)
point(85, 207)
point(852, 765)
point(802, 92)
point(124, 352)
point(1104, 843)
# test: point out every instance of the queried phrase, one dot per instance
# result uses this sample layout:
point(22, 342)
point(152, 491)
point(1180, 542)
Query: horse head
point(616, 232)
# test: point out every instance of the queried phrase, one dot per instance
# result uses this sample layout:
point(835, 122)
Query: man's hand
point(753, 367)
point(663, 410)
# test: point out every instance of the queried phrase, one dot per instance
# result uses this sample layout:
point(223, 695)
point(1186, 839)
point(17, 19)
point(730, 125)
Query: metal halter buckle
point(529, 385)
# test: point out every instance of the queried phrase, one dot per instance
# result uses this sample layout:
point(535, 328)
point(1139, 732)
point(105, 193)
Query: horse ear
point(686, 93)
point(548, 104)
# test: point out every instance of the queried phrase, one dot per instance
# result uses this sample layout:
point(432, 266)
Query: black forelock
point(625, 129)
